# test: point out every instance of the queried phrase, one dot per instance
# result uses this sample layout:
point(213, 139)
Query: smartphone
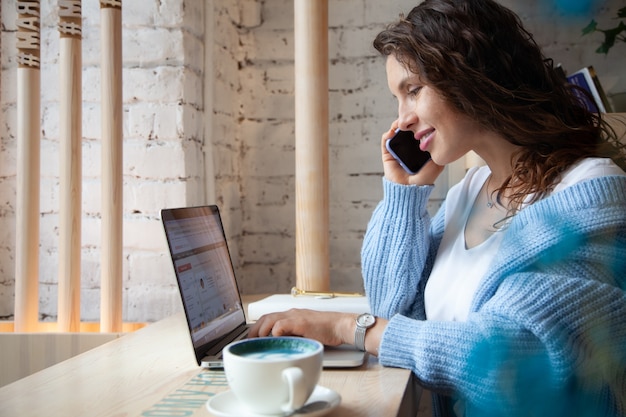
point(406, 150)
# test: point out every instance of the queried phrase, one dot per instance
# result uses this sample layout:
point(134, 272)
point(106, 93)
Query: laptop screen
point(204, 272)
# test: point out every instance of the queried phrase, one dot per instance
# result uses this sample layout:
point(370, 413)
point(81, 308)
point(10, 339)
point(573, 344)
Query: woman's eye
point(414, 91)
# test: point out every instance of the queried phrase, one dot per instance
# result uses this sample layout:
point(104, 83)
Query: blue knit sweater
point(546, 335)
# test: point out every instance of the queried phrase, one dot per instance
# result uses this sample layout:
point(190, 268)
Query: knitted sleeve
point(543, 345)
point(395, 249)
point(546, 335)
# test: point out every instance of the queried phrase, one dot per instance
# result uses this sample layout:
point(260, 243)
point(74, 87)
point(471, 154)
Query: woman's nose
point(406, 117)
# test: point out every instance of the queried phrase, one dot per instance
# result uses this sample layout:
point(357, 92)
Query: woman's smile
point(425, 138)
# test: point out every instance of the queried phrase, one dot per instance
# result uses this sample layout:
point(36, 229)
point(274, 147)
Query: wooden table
point(152, 372)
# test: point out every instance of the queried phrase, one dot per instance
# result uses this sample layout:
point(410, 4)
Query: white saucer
point(225, 404)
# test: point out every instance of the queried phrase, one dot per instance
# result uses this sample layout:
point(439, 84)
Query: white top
point(458, 271)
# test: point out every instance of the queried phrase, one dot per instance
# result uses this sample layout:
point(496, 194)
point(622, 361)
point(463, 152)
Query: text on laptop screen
point(204, 271)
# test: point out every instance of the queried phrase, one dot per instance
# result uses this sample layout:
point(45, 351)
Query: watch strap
point(361, 329)
point(359, 337)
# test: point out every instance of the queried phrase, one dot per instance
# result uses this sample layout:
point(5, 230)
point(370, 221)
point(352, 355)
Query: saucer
point(225, 404)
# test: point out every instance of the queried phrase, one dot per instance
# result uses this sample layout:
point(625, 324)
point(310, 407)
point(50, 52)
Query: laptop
point(208, 287)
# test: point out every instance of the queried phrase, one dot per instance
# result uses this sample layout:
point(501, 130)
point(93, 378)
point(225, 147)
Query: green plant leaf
point(590, 28)
point(610, 35)
point(603, 49)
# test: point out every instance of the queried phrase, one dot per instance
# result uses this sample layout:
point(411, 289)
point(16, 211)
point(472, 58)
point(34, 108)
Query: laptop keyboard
point(232, 338)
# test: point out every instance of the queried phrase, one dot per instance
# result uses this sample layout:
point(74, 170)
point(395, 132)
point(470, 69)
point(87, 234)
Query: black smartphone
point(406, 150)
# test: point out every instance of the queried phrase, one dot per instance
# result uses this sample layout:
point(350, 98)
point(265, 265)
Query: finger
point(427, 175)
point(383, 140)
point(262, 328)
point(254, 330)
point(285, 327)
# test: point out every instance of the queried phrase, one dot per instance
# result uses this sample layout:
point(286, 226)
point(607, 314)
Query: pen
point(298, 292)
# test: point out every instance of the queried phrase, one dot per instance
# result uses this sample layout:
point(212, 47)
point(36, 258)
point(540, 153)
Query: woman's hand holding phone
point(406, 150)
point(404, 162)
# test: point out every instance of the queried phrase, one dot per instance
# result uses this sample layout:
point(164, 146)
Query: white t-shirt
point(457, 270)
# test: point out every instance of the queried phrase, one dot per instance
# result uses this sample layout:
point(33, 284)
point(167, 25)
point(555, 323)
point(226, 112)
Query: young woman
point(511, 301)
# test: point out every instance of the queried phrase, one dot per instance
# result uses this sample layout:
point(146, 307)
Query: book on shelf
point(588, 79)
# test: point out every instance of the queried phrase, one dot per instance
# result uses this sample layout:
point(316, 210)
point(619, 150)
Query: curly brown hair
point(480, 58)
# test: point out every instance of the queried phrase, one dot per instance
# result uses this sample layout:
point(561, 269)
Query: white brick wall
point(208, 117)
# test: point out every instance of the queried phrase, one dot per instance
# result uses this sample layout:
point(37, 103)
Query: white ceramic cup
point(273, 375)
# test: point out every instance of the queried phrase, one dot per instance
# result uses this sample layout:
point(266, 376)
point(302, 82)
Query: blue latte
point(273, 348)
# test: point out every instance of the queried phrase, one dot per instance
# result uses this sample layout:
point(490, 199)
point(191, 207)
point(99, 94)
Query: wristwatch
point(363, 322)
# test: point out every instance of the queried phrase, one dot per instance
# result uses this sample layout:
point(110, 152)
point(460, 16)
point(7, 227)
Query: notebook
point(208, 287)
point(284, 302)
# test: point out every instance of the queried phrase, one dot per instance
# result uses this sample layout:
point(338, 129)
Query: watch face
point(366, 320)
